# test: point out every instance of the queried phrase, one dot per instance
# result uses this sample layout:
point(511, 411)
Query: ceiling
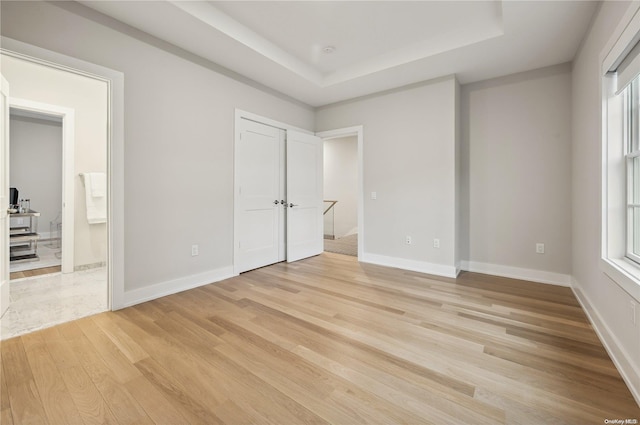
point(374, 45)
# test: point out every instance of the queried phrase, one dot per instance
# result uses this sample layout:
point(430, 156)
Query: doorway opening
point(37, 145)
point(343, 191)
point(341, 195)
point(58, 234)
point(35, 173)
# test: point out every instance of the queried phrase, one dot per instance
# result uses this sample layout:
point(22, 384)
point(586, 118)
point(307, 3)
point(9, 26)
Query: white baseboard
point(413, 265)
point(517, 273)
point(170, 287)
point(629, 371)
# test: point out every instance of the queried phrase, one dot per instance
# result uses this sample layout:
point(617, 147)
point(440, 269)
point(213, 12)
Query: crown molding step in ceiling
point(322, 52)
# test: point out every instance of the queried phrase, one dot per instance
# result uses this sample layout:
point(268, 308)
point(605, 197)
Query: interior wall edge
point(412, 86)
point(114, 24)
point(562, 68)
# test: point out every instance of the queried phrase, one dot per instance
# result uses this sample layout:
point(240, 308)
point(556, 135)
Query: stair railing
point(329, 219)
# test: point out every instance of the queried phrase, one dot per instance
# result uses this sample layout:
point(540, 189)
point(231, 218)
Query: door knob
point(276, 202)
point(291, 205)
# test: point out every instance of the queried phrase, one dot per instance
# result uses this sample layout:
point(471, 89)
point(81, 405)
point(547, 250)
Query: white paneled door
point(304, 194)
point(4, 195)
point(278, 195)
point(260, 190)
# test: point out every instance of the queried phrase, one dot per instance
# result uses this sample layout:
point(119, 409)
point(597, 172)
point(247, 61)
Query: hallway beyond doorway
point(347, 245)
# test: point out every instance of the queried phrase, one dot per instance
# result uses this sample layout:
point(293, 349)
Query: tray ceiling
point(375, 46)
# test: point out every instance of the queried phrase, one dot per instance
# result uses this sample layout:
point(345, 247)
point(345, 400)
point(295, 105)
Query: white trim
point(174, 286)
point(539, 276)
point(237, 131)
point(208, 13)
point(267, 121)
point(5, 296)
point(629, 371)
point(413, 265)
point(359, 132)
point(623, 40)
point(115, 147)
point(622, 273)
point(68, 166)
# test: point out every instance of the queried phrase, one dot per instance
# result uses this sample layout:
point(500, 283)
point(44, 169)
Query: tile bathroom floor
point(43, 301)
point(49, 257)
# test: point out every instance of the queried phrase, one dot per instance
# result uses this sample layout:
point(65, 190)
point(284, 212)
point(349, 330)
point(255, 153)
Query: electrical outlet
point(539, 248)
point(194, 250)
point(436, 243)
point(632, 312)
point(408, 240)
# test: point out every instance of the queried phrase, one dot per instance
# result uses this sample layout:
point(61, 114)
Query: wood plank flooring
point(324, 341)
point(34, 272)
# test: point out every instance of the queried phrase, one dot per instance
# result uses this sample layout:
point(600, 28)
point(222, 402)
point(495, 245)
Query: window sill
point(624, 273)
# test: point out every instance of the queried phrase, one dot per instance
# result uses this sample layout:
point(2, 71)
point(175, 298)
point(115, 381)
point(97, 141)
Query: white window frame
point(631, 123)
point(616, 262)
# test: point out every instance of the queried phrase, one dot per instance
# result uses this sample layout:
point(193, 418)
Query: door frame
point(357, 131)
point(68, 166)
point(115, 150)
point(5, 295)
point(239, 116)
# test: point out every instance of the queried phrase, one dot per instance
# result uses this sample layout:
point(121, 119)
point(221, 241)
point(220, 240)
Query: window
point(632, 159)
point(620, 249)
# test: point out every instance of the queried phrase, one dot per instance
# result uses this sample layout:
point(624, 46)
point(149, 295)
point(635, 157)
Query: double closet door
point(278, 204)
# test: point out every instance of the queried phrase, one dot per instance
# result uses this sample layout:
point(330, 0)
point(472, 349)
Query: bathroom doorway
point(36, 147)
point(58, 160)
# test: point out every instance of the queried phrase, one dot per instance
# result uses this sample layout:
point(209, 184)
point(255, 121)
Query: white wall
point(88, 98)
point(341, 183)
point(605, 301)
point(409, 160)
point(517, 174)
point(179, 118)
point(36, 165)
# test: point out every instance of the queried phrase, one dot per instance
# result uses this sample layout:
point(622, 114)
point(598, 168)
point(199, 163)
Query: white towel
point(98, 183)
point(96, 205)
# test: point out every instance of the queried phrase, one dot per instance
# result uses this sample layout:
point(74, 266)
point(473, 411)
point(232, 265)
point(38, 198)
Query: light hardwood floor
point(34, 272)
point(323, 340)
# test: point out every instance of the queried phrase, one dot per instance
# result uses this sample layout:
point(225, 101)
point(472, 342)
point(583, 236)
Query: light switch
point(374, 195)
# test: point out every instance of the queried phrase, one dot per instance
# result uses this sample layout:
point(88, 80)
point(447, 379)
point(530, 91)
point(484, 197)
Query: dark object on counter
point(13, 196)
